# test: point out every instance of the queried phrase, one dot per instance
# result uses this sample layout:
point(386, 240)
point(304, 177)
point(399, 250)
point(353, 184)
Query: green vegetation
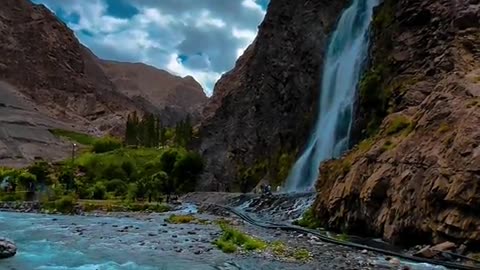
point(122, 206)
point(106, 144)
point(308, 220)
point(74, 136)
point(443, 128)
point(342, 237)
point(277, 168)
point(302, 254)
point(111, 172)
point(231, 239)
point(398, 124)
point(281, 250)
point(180, 219)
point(150, 132)
point(388, 145)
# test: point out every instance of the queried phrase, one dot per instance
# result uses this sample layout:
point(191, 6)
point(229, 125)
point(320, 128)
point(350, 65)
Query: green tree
point(41, 170)
point(186, 170)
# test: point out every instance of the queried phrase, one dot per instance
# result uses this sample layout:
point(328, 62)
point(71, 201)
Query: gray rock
point(7, 248)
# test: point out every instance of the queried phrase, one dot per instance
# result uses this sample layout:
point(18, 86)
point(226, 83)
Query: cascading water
point(346, 52)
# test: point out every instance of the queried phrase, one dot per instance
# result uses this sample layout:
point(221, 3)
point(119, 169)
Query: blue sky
point(202, 38)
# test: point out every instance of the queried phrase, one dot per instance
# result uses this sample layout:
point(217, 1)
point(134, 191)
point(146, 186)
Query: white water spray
point(346, 52)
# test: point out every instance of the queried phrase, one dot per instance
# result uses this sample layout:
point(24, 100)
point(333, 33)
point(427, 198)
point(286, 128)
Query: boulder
point(7, 248)
point(430, 252)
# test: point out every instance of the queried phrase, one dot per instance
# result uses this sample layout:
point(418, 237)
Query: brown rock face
point(162, 89)
point(418, 178)
point(263, 108)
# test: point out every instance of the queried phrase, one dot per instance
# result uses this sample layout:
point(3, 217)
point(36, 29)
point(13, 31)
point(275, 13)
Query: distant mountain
point(159, 87)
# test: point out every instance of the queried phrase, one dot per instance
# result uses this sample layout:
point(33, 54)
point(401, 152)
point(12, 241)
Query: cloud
point(187, 37)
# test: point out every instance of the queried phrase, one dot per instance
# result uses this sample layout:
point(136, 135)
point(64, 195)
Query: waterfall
point(347, 51)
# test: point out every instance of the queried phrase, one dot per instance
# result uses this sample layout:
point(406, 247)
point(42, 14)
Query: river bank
point(148, 240)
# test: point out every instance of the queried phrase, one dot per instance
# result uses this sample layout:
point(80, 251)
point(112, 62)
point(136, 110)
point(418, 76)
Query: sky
point(201, 38)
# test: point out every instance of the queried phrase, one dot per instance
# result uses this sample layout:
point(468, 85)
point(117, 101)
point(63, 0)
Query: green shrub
point(117, 186)
point(233, 237)
point(302, 254)
point(26, 179)
point(225, 246)
point(98, 191)
point(308, 220)
point(65, 204)
point(106, 144)
point(41, 170)
point(186, 170)
point(398, 124)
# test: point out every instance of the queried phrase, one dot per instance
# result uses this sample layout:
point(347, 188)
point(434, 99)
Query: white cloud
point(209, 34)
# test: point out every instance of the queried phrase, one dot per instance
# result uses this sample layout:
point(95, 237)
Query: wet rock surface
point(7, 248)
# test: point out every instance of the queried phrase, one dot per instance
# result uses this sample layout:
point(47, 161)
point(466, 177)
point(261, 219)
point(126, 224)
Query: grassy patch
point(231, 239)
point(398, 124)
point(308, 220)
point(302, 254)
point(388, 145)
point(444, 127)
point(181, 219)
point(342, 237)
point(226, 246)
point(282, 251)
point(80, 138)
point(122, 206)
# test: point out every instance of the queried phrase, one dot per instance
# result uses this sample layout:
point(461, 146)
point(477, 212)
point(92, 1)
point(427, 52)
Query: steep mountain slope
point(261, 111)
point(416, 177)
point(161, 88)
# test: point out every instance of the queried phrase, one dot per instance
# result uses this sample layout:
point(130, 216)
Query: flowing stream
point(346, 52)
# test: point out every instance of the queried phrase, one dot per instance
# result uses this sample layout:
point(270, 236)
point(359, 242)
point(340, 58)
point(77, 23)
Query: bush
point(225, 246)
point(41, 170)
point(232, 237)
point(98, 191)
point(117, 186)
point(308, 220)
point(186, 170)
point(65, 204)
point(26, 180)
point(106, 144)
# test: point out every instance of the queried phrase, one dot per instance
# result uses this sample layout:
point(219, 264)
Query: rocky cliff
point(416, 175)
point(262, 110)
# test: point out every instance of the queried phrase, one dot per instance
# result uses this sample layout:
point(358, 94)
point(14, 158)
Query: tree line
point(149, 131)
